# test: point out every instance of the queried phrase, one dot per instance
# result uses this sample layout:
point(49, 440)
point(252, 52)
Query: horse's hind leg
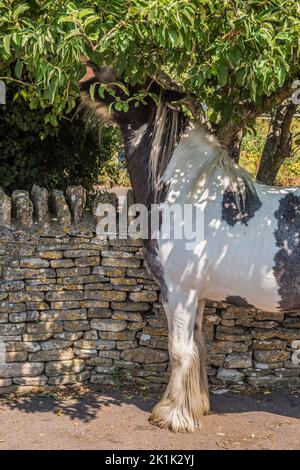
point(185, 399)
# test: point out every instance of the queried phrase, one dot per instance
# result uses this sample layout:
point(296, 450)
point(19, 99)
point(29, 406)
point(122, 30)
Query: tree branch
point(189, 100)
point(227, 134)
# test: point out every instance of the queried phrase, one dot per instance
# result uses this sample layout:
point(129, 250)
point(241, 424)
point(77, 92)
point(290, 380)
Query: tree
point(240, 58)
point(279, 143)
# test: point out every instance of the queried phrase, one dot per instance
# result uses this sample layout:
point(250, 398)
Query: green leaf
point(118, 106)
point(6, 43)
point(92, 91)
point(19, 69)
point(101, 92)
point(20, 9)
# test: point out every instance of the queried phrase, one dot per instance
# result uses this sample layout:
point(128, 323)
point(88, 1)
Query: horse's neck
point(137, 143)
point(194, 152)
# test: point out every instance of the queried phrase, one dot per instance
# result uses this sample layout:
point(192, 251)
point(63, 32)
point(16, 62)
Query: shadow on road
point(84, 406)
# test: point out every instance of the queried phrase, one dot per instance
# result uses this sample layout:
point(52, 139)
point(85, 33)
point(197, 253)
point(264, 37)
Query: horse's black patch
point(230, 211)
point(287, 259)
point(155, 267)
point(238, 301)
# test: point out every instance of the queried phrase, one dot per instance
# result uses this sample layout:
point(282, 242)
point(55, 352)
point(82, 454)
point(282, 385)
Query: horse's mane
point(169, 125)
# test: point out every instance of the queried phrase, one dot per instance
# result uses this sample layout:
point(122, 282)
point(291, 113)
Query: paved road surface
point(110, 419)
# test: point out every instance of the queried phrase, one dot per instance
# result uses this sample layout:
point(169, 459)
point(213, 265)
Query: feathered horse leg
point(185, 399)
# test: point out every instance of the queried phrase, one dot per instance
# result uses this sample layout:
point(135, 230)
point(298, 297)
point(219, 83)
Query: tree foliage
point(66, 155)
point(237, 57)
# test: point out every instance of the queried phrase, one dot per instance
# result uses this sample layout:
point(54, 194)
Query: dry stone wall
point(75, 309)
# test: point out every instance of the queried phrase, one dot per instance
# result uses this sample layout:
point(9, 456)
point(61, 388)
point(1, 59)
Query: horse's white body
point(231, 261)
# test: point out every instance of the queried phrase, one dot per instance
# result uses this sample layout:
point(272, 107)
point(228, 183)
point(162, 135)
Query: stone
point(138, 273)
point(99, 361)
point(91, 304)
point(22, 208)
point(17, 356)
point(55, 344)
point(72, 272)
point(13, 274)
point(129, 316)
point(103, 379)
point(130, 306)
point(58, 296)
point(105, 295)
point(5, 382)
point(144, 296)
point(268, 381)
point(269, 344)
point(31, 381)
point(109, 354)
point(103, 197)
point(37, 306)
point(62, 315)
point(98, 312)
point(12, 329)
point(121, 263)
point(76, 325)
point(292, 322)
point(39, 198)
point(108, 324)
point(229, 375)
point(44, 327)
point(22, 296)
point(11, 286)
point(122, 345)
point(68, 336)
point(54, 368)
point(124, 335)
point(239, 360)
point(28, 338)
point(144, 355)
point(65, 304)
point(62, 263)
point(117, 254)
point(61, 208)
point(68, 379)
point(21, 317)
point(271, 355)
point(50, 255)
point(84, 353)
point(216, 360)
point(91, 334)
point(66, 281)
point(76, 196)
point(104, 370)
point(81, 253)
point(275, 316)
point(212, 319)
point(280, 333)
point(83, 376)
point(51, 355)
point(5, 209)
point(9, 307)
point(30, 346)
point(109, 271)
point(20, 369)
point(87, 261)
point(232, 337)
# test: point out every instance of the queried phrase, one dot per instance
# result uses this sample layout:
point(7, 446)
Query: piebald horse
point(250, 254)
